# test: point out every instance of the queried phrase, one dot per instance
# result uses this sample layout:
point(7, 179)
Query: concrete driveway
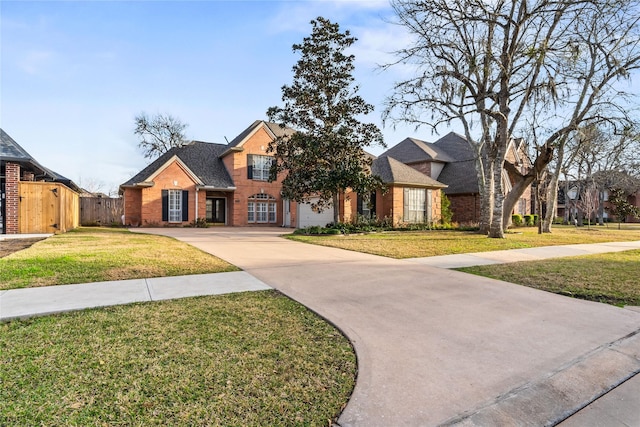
point(439, 347)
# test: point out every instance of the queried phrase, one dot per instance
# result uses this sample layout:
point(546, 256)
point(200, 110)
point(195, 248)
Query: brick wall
point(236, 164)
point(12, 178)
point(465, 208)
point(132, 206)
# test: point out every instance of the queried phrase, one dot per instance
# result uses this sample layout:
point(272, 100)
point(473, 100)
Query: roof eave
point(415, 184)
point(214, 188)
point(230, 150)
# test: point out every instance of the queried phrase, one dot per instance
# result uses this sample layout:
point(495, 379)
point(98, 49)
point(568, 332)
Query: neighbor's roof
point(202, 158)
point(393, 171)
point(460, 174)
point(10, 150)
point(412, 150)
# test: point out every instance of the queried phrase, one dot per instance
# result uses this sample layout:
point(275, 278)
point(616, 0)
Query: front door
point(217, 210)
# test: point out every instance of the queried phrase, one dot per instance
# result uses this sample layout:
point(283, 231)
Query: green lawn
point(403, 244)
point(250, 359)
point(612, 278)
point(103, 254)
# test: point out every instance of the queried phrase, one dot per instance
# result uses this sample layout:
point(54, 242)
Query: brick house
point(451, 161)
point(227, 184)
point(33, 199)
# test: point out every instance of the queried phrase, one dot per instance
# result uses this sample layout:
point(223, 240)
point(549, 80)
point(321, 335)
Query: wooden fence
point(47, 207)
point(101, 210)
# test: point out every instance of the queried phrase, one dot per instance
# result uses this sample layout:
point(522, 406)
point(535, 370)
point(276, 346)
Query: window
point(261, 208)
point(175, 205)
point(258, 167)
point(366, 205)
point(417, 205)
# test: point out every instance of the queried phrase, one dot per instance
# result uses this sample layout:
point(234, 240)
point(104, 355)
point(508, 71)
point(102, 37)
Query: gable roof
point(201, 158)
point(11, 151)
point(393, 171)
point(273, 129)
point(412, 150)
point(460, 174)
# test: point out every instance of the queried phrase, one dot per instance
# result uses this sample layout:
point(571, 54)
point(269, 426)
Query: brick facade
point(12, 200)
point(236, 164)
point(465, 208)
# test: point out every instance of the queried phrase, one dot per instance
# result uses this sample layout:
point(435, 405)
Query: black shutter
point(249, 166)
point(359, 203)
point(372, 204)
point(165, 205)
point(185, 205)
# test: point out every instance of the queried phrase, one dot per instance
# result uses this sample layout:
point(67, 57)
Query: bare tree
point(159, 133)
point(499, 68)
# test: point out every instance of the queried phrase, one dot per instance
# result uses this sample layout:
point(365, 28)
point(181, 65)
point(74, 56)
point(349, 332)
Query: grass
point(439, 242)
point(250, 359)
point(103, 254)
point(609, 278)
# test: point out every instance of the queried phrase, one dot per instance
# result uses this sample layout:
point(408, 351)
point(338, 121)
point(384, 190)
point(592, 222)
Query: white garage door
point(307, 217)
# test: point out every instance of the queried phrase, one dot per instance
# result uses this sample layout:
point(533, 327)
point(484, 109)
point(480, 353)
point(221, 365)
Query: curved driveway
point(440, 347)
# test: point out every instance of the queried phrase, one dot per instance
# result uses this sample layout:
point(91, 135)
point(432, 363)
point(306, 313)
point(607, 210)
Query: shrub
point(516, 219)
point(445, 210)
point(528, 220)
point(199, 223)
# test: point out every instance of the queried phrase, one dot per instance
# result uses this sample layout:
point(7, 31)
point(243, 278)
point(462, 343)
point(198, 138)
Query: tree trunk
point(522, 182)
point(552, 203)
point(485, 190)
point(552, 190)
point(336, 207)
point(496, 230)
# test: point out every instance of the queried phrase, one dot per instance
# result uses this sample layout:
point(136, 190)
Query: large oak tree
point(503, 69)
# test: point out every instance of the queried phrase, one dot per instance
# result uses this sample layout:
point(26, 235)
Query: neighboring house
point(227, 184)
point(594, 205)
point(33, 199)
point(451, 161)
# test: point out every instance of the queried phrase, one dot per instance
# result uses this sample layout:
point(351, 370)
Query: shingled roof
point(274, 128)
point(11, 151)
point(393, 171)
point(412, 150)
point(460, 174)
point(202, 158)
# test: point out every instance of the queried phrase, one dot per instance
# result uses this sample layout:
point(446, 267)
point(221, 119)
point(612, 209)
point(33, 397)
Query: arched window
point(261, 208)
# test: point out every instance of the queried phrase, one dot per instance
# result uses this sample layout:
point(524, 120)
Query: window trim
point(259, 166)
point(262, 209)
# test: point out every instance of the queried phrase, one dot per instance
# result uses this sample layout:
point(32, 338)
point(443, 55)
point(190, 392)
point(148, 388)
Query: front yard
point(103, 254)
point(250, 359)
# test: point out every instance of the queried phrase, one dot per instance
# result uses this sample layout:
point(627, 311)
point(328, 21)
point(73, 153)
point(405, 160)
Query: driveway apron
point(440, 347)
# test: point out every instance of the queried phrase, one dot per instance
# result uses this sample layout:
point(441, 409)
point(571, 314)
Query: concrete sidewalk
point(527, 254)
point(27, 302)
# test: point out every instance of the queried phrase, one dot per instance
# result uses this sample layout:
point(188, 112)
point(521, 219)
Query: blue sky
point(75, 74)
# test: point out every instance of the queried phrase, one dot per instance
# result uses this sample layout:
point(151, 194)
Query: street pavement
point(434, 346)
